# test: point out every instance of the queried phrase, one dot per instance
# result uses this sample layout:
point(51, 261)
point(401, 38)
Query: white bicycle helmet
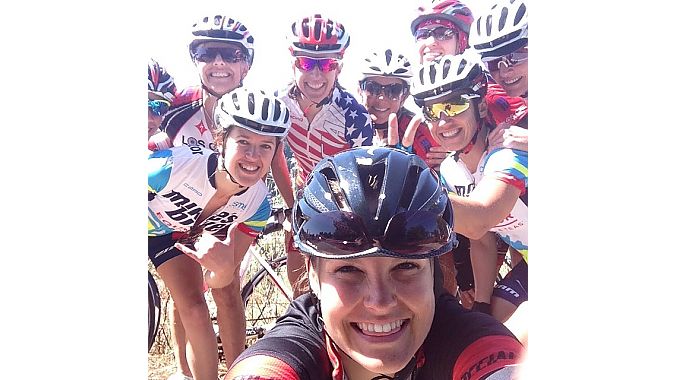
point(452, 75)
point(222, 28)
point(502, 30)
point(253, 110)
point(317, 34)
point(387, 63)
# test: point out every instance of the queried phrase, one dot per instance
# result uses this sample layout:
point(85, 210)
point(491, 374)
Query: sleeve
point(487, 355)
point(509, 166)
point(503, 108)
point(159, 170)
point(261, 367)
point(255, 224)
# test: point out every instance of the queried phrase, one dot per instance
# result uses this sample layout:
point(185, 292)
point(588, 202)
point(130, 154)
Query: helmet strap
point(223, 168)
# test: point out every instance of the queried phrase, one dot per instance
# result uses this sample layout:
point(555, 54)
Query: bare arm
point(484, 256)
point(280, 173)
point(486, 206)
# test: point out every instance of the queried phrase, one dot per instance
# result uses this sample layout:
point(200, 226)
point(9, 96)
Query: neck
point(354, 371)
point(471, 158)
point(225, 186)
point(209, 105)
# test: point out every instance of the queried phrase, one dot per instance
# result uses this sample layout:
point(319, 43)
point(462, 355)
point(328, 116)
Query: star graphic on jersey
point(348, 99)
point(366, 116)
point(350, 130)
point(359, 140)
point(353, 114)
point(200, 127)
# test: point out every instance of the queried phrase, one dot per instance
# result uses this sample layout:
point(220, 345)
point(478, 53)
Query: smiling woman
point(372, 223)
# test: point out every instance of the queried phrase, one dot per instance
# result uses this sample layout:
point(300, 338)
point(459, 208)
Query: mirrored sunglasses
point(392, 91)
point(440, 33)
point(433, 112)
point(158, 107)
point(410, 234)
point(512, 59)
point(228, 54)
point(325, 64)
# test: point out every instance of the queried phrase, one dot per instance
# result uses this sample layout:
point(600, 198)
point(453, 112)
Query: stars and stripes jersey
point(460, 345)
point(341, 124)
point(186, 123)
point(509, 166)
point(180, 184)
point(502, 108)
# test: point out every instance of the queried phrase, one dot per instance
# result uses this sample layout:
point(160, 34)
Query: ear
point(483, 109)
point(313, 279)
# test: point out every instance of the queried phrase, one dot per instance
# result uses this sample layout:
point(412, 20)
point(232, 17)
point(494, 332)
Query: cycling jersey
point(512, 110)
point(509, 166)
point(340, 124)
point(186, 123)
point(460, 345)
point(180, 184)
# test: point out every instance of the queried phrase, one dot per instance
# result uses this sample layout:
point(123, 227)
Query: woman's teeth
point(378, 328)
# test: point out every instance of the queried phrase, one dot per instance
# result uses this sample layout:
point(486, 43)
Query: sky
point(371, 24)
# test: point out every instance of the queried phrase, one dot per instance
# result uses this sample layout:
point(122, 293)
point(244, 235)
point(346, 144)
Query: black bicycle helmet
point(373, 201)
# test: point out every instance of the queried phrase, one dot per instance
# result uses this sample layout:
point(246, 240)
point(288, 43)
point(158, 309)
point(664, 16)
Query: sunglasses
point(512, 59)
point(410, 234)
point(392, 91)
point(325, 64)
point(440, 33)
point(158, 107)
point(228, 54)
point(452, 108)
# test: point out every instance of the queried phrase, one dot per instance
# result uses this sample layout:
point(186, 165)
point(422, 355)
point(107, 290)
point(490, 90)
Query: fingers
point(183, 248)
point(411, 129)
point(392, 130)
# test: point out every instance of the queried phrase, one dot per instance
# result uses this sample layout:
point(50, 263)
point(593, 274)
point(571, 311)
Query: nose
point(380, 294)
point(251, 151)
point(219, 59)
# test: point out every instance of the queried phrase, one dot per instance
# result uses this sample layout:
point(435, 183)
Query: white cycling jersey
point(181, 182)
point(507, 165)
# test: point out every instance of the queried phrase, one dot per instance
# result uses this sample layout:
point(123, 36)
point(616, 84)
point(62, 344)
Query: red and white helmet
point(317, 34)
point(222, 28)
point(452, 10)
point(160, 82)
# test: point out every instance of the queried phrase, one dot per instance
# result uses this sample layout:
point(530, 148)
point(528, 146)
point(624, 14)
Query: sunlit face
point(219, 75)
point(378, 310)
point(514, 79)
point(154, 121)
point(432, 48)
point(455, 132)
point(379, 105)
point(248, 155)
point(316, 84)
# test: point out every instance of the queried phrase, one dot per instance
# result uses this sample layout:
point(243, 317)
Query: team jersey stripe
point(487, 355)
point(264, 367)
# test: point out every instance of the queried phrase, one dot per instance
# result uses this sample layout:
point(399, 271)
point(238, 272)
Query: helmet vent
point(388, 56)
point(520, 13)
point(251, 103)
point(266, 105)
point(503, 18)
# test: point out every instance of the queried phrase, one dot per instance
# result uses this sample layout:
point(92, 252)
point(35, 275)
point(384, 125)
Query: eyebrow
point(248, 135)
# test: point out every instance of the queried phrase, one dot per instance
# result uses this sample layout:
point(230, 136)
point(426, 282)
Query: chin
point(388, 366)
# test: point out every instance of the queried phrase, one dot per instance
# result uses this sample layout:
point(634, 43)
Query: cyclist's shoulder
point(178, 116)
point(294, 345)
point(187, 95)
point(344, 100)
point(505, 108)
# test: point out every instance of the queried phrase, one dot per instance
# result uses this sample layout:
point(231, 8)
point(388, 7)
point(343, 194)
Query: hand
point(436, 156)
point(506, 136)
point(409, 134)
point(216, 256)
point(467, 298)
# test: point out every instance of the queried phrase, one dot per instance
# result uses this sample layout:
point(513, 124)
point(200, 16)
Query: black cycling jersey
point(461, 344)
